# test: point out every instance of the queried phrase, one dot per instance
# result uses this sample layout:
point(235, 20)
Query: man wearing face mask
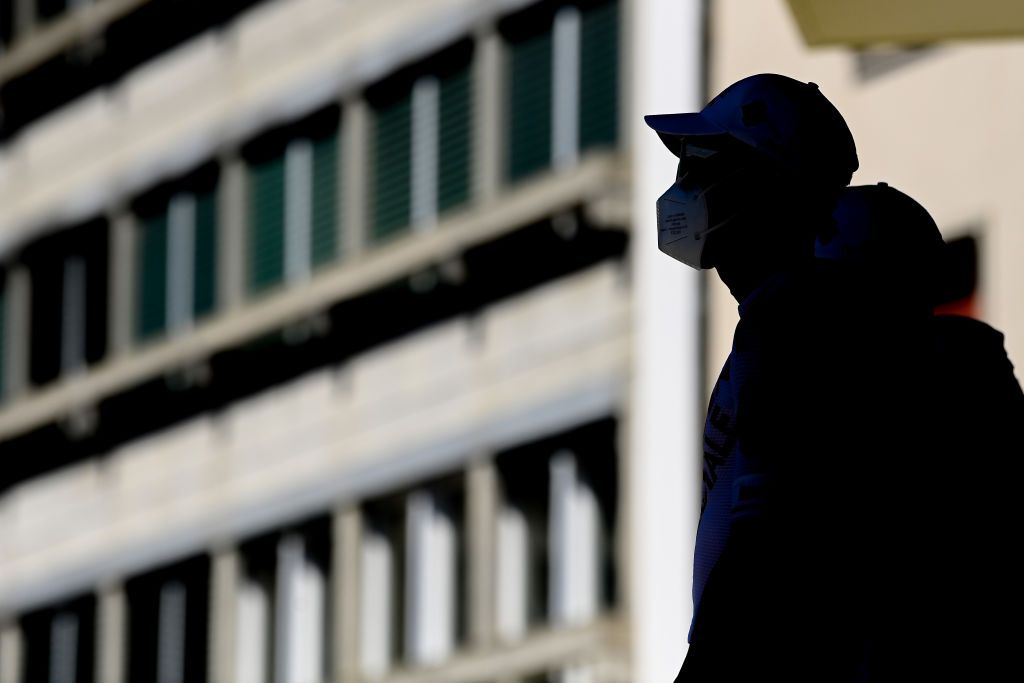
point(784, 562)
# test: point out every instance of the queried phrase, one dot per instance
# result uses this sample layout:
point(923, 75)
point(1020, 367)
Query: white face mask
point(683, 222)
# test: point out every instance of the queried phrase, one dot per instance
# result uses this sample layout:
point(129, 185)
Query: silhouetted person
point(786, 558)
point(952, 562)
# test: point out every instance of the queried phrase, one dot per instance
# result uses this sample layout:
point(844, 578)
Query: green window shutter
point(454, 139)
point(204, 283)
point(392, 168)
point(151, 276)
point(325, 200)
point(599, 74)
point(529, 105)
point(266, 224)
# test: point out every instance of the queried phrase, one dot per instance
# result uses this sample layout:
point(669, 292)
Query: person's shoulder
point(964, 331)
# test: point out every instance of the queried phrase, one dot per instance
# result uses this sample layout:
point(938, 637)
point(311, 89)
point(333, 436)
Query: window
point(556, 531)
point(599, 73)
point(562, 75)
point(254, 640)
point(6, 23)
point(391, 201)
point(293, 201)
point(176, 256)
point(412, 572)
point(522, 545)
point(48, 9)
point(68, 272)
point(382, 588)
point(455, 119)
point(168, 623)
point(435, 537)
point(421, 149)
point(876, 62)
point(283, 606)
point(59, 643)
point(528, 98)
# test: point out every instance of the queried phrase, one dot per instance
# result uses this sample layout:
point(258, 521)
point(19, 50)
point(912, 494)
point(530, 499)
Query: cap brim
point(671, 127)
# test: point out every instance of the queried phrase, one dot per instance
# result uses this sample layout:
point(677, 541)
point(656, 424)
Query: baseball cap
point(789, 121)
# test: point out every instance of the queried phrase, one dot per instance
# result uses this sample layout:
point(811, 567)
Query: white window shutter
point(251, 640)
point(298, 210)
point(430, 580)
point(181, 225)
point(513, 573)
point(425, 106)
point(573, 544)
point(72, 342)
point(171, 634)
point(64, 648)
point(565, 88)
point(377, 607)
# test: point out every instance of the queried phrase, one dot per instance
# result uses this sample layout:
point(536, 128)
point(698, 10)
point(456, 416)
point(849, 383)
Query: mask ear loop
point(725, 221)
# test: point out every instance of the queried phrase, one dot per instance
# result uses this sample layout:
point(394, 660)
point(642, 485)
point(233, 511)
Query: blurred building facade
point(329, 351)
point(336, 345)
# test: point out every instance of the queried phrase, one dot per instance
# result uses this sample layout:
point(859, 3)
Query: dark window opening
point(59, 642)
point(168, 623)
point(68, 329)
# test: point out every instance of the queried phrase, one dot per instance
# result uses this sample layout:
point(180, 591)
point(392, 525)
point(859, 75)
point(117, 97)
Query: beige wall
point(944, 128)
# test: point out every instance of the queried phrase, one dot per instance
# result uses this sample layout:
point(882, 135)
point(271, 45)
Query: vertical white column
point(64, 648)
point(664, 41)
point(574, 558)
point(356, 147)
point(251, 640)
point(565, 88)
point(181, 229)
point(488, 123)
point(430, 580)
point(377, 603)
point(16, 329)
point(513, 573)
point(72, 333)
point(232, 210)
point(110, 630)
point(298, 210)
point(121, 309)
point(170, 635)
point(224, 601)
point(425, 103)
point(10, 653)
